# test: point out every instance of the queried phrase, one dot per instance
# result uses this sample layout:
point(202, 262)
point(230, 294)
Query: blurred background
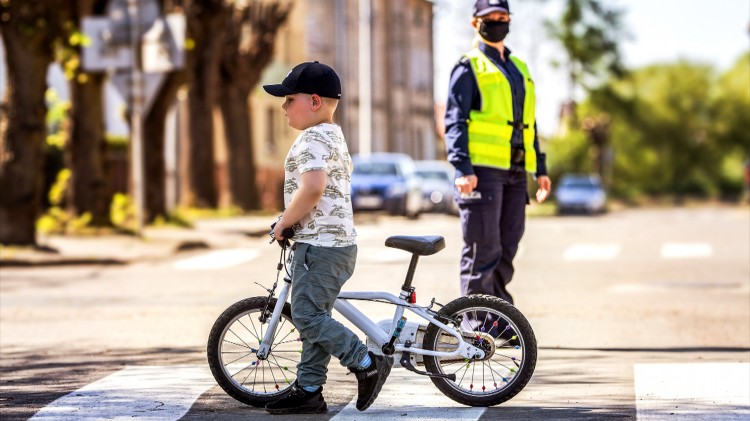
point(120, 113)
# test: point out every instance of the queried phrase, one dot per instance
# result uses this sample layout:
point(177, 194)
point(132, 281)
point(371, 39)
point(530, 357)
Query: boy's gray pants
point(318, 273)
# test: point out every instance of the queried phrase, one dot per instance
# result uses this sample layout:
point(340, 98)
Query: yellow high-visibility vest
point(490, 128)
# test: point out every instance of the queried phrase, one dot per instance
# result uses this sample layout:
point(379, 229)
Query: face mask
point(494, 31)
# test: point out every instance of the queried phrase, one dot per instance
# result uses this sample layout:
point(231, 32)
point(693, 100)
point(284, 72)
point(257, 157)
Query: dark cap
point(484, 7)
point(311, 77)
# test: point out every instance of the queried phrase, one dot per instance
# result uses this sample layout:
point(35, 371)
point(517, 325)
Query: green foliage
point(116, 142)
point(57, 115)
point(122, 213)
point(568, 153)
point(589, 33)
point(58, 220)
point(68, 52)
point(676, 129)
point(58, 190)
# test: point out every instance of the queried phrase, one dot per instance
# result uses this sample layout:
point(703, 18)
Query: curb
point(74, 261)
point(183, 246)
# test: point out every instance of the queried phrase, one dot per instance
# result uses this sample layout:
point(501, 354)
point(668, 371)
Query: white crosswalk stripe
point(694, 392)
point(153, 393)
point(685, 250)
point(410, 396)
point(610, 251)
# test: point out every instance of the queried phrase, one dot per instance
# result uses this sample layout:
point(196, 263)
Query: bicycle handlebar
point(286, 232)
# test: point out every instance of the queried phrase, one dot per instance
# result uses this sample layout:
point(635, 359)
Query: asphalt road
point(628, 308)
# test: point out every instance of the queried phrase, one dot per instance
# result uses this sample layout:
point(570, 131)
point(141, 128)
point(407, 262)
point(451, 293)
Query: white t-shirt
point(331, 222)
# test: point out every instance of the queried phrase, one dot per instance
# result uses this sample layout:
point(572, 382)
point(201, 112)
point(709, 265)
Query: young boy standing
point(318, 207)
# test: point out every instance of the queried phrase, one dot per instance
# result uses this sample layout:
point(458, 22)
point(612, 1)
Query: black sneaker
point(371, 379)
point(299, 401)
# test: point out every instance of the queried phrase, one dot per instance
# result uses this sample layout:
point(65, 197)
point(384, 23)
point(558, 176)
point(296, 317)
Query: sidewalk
point(155, 243)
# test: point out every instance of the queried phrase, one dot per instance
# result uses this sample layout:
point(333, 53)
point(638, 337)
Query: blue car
point(386, 181)
point(581, 193)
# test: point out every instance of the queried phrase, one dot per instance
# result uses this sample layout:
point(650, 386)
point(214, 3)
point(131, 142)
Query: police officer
point(491, 139)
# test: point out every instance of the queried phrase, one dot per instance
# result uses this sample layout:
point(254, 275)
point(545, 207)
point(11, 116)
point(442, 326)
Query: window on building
point(418, 17)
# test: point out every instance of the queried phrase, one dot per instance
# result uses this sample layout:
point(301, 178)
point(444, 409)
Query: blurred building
point(403, 118)
point(402, 70)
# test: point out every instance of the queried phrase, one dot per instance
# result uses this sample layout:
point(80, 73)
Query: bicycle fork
point(265, 344)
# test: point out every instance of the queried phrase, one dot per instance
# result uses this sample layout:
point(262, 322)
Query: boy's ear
point(317, 101)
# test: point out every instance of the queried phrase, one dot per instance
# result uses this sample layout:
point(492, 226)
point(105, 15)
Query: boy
point(325, 250)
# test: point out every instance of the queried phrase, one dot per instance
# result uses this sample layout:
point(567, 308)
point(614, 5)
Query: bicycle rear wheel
point(232, 346)
point(505, 335)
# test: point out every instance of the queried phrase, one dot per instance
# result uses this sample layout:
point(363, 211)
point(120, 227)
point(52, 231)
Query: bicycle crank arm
point(406, 363)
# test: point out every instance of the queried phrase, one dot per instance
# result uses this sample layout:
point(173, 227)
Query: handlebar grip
point(288, 232)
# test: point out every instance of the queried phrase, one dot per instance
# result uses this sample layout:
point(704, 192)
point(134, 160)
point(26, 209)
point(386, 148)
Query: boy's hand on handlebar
point(278, 231)
point(282, 234)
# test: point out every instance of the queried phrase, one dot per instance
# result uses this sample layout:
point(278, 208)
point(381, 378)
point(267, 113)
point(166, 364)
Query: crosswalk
point(694, 391)
point(153, 393)
point(579, 252)
point(610, 251)
point(709, 391)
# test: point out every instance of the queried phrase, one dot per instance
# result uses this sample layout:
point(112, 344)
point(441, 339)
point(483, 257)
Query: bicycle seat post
point(406, 288)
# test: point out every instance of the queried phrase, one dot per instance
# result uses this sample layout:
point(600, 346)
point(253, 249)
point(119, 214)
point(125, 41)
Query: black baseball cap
point(311, 77)
point(485, 7)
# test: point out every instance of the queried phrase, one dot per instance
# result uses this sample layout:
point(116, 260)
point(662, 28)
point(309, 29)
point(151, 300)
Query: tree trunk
point(205, 27)
point(201, 151)
point(22, 131)
point(153, 147)
point(87, 149)
point(235, 110)
point(243, 59)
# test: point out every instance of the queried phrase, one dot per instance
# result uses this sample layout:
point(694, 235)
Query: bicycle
point(478, 350)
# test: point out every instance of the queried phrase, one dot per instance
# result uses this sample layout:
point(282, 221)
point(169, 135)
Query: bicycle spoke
point(496, 372)
point(285, 358)
point(283, 369)
point(249, 353)
point(241, 340)
point(255, 334)
point(243, 345)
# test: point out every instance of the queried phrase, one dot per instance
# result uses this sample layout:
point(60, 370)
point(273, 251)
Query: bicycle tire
point(231, 355)
point(510, 361)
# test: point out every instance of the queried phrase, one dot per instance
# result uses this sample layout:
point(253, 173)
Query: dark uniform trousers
point(493, 225)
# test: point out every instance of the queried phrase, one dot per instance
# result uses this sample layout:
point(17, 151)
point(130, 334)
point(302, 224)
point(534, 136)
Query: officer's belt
point(518, 125)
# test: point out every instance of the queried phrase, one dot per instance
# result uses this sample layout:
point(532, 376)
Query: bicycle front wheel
point(502, 332)
point(233, 344)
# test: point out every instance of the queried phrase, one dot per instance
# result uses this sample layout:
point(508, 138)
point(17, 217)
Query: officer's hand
point(466, 183)
point(545, 186)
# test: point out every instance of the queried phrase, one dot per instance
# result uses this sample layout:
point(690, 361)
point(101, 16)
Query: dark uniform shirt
point(464, 96)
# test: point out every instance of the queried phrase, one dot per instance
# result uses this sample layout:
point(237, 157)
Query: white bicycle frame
point(372, 330)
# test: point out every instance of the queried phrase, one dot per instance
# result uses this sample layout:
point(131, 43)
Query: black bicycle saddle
point(420, 245)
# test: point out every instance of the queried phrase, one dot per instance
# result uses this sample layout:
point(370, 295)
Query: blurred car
point(437, 186)
point(386, 181)
point(580, 193)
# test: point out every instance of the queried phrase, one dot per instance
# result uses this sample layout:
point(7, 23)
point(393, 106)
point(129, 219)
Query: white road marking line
point(154, 393)
point(685, 250)
point(709, 391)
point(410, 396)
point(592, 252)
point(218, 259)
